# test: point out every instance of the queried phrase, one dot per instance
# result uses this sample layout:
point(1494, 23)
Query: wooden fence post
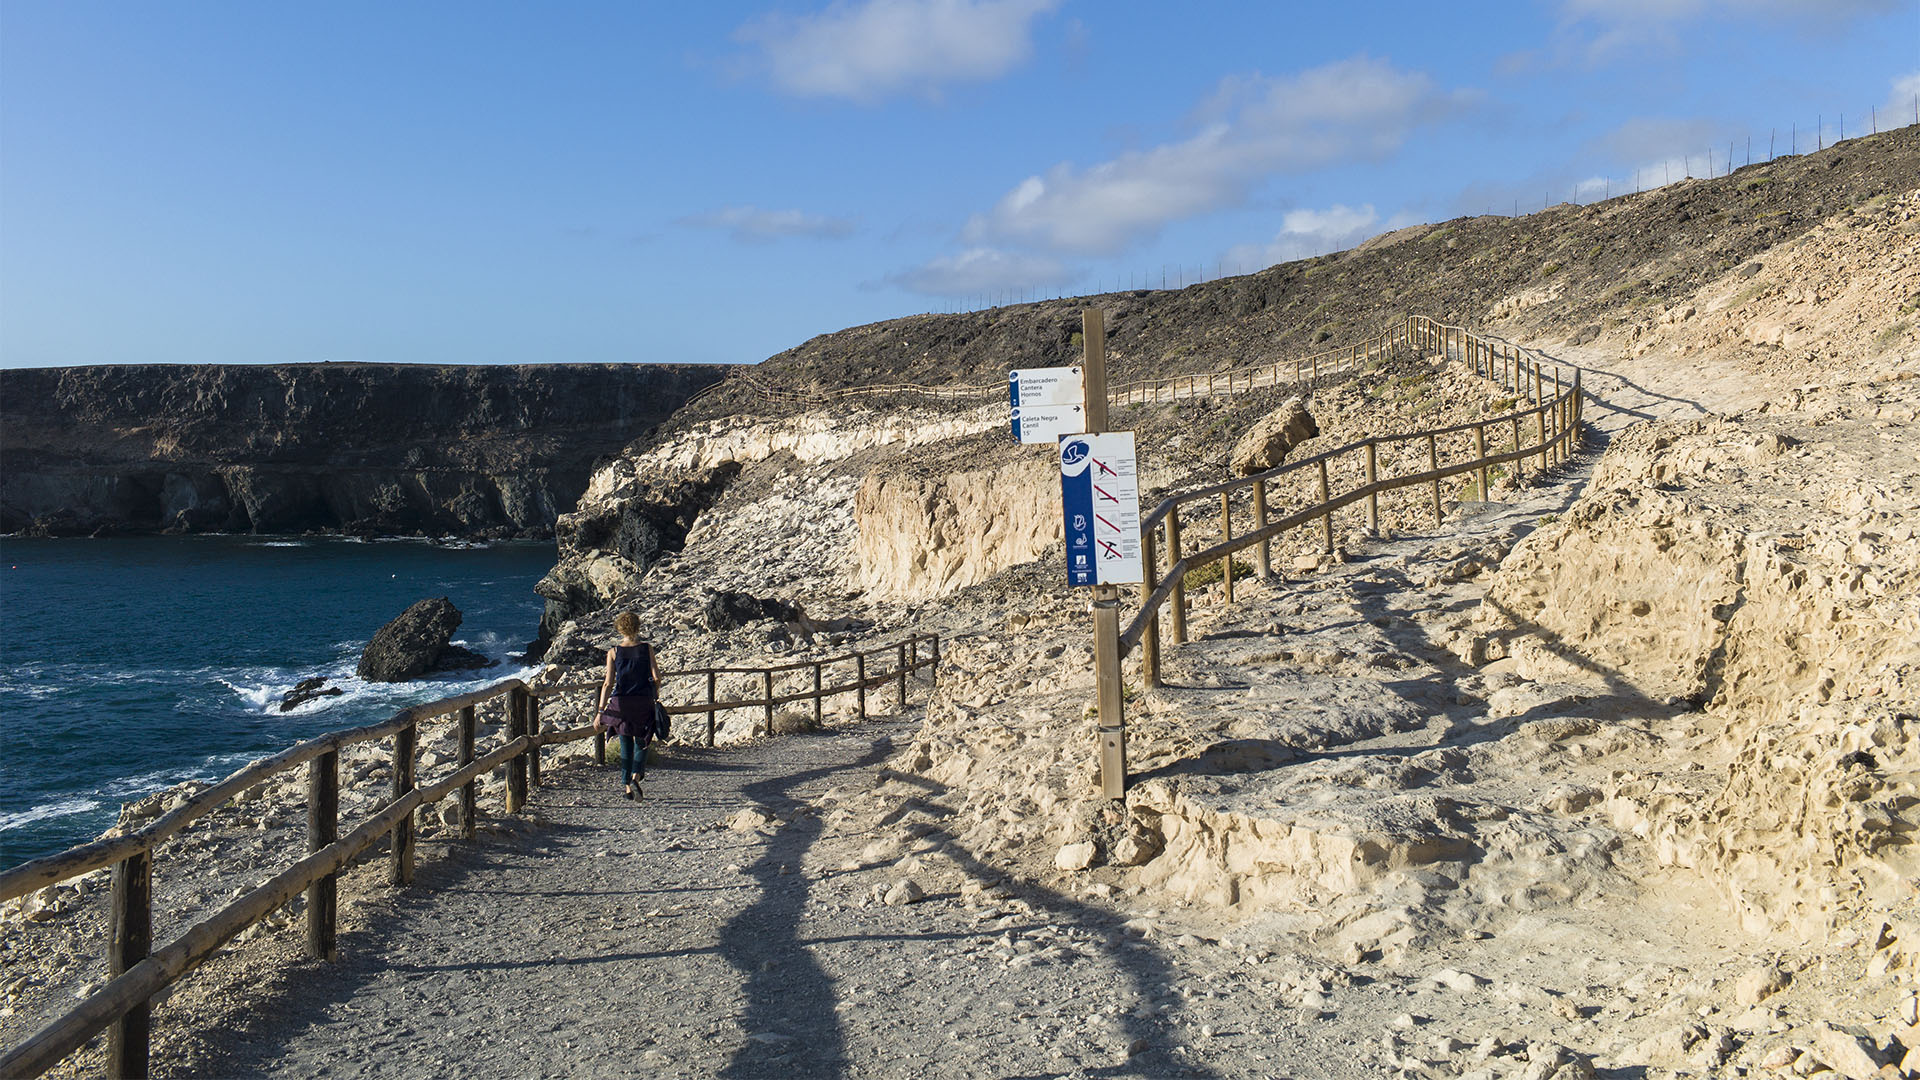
point(713, 682)
point(1178, 597)
point(1265, 551)
point(860, 677)
point(1480, 452)
point(533, 729)
point(400, 854)
point(817, 708)
point(1433, 465)
point(132, 940)
point(1540, 429)
point(1326, 519)
point(469, 791)
point(903, 678)
point(1373, 477)
point(517, 766)
point(766, 681)
point(1226, 533)
point(323, 828)
point(1149, 581)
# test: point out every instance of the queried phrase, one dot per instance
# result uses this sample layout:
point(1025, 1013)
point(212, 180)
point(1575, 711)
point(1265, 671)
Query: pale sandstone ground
point(1401, 829)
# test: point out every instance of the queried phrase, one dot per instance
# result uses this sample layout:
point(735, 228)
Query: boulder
point(725, 610)
point(1266, 446)
point(411, 644)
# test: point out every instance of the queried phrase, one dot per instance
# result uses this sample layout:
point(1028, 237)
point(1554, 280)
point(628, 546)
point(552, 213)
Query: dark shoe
point(630, 791)
point(638, 792)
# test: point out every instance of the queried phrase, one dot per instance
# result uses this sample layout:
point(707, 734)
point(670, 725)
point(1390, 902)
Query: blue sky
point(475, 182)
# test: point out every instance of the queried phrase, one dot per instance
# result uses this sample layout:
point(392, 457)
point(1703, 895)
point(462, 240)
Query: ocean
point(128, 665)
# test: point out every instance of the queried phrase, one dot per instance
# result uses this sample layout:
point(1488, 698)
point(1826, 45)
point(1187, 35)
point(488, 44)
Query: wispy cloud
point(1253, 127)
point(1600, 31)
point(870, 51)
point(1306, 233)
point(752, 225)
point(983, 270)
point(1902, 106)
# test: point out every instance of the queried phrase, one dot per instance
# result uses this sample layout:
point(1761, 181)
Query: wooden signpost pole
point(1106, 597)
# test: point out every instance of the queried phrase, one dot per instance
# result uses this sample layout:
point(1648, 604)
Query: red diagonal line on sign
point(1103, 491)
point(1108, 524)
point(1098, 464)
point(1112, 552)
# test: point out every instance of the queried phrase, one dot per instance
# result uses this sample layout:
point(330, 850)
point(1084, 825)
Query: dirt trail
point(605, 938)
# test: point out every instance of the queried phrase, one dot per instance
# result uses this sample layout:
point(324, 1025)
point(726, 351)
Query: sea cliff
point(478, 451)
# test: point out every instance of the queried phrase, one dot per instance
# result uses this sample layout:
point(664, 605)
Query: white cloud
point(873, 50)
point(1902, 104)
point(750, 224)
point(983, 270)
point(1254, 127)
point(1306, 233)
point(1598, 31)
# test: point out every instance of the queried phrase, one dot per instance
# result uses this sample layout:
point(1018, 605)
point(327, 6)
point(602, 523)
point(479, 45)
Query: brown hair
point(627, 624)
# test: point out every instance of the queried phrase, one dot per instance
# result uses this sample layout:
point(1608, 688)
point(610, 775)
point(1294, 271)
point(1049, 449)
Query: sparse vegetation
point(1550, 269)
point(1893, 333)
point(1215, 571)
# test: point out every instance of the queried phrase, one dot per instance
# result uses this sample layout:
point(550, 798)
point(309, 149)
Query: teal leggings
point(633, 759)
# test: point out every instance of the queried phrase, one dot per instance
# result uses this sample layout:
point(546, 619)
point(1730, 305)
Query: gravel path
point(604, 938)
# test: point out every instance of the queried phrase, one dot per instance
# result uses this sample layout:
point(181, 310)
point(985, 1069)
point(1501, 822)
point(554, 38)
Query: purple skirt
point(629, 714)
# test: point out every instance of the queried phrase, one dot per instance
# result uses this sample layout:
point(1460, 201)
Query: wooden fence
point(1552, 425)
point(138, 972)
point(1306, 372)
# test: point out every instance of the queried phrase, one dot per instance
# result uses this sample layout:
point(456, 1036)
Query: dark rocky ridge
point(480, 451)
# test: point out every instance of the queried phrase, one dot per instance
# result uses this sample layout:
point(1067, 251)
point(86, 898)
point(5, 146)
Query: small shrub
point(1595, 250)
point(1550, 269)
point(1203, 576)
point(1892, 333)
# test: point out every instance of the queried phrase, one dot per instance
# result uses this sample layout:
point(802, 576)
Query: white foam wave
point(62, 808)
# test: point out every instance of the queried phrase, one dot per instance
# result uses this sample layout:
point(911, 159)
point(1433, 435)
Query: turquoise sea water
point(130, 664)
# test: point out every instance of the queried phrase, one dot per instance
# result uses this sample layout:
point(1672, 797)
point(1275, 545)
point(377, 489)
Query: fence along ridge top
point(1121, 392)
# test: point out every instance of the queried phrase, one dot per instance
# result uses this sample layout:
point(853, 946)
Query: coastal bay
point(134, 664)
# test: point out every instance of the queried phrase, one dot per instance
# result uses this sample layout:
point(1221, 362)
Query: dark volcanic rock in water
point(306, 690)
point(412, 644)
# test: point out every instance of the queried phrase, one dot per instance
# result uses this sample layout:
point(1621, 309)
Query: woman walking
point(626, 699)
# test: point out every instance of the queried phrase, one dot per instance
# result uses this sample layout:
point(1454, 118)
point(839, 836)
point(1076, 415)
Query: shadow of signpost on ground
point(791, 1014)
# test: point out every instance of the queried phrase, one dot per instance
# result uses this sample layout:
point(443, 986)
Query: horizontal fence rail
point(1304, 372)
point(138, 971)
point(1553, 424)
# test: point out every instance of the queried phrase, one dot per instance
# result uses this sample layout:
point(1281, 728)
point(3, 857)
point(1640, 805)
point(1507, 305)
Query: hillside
point(1567, 271)
point(1656, 705)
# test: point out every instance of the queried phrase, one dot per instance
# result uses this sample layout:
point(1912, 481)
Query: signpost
point(1047, 403)
point(1099, 457)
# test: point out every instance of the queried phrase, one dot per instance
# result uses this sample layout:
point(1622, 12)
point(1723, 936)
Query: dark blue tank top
point(633, 670)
